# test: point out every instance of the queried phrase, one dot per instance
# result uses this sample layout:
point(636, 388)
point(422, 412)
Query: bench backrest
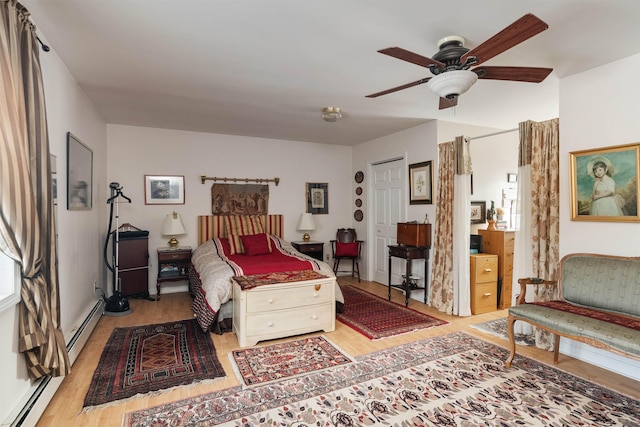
point(602, 282)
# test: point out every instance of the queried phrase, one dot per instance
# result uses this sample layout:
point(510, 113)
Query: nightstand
point(173, 265)
point(313, 249)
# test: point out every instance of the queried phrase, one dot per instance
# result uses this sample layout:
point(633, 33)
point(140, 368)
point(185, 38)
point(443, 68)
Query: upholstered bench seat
point(616, 337)
point(598, 303)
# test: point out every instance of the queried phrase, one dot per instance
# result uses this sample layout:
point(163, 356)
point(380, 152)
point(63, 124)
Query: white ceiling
point(267, 67)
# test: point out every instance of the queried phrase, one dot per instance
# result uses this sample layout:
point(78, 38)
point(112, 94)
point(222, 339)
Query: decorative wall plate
point(358, 215)
point(359, 177)
point(358, 202)
point(358, 190)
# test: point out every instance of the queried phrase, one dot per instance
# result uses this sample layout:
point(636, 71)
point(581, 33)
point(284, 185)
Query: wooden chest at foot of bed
point(284, 309)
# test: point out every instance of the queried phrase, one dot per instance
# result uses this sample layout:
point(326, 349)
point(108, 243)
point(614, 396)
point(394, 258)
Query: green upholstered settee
point(598, 304)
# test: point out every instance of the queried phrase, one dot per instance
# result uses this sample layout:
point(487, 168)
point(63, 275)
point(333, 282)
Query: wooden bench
point(598, 303)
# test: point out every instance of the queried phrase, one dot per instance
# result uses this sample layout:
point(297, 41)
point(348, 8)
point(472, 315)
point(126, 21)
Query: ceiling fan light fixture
point(331, 114)
point(452, 83)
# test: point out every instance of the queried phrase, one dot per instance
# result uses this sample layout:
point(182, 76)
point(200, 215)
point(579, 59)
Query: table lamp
point(173, 226)
point(306, 224)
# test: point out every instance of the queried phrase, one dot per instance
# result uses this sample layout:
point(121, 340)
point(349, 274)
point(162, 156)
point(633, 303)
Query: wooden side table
point(409, 253)
point(173, 265)
point(313, 249)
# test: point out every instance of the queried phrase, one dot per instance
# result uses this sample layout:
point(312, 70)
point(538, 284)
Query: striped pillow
point(238, 225)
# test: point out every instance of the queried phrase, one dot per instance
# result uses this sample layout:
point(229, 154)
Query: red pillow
point(256, 244)
point(347, 249)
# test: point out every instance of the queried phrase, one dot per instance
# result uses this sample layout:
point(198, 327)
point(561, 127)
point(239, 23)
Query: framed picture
point(317, 198)
point(421, 183)
point(512, 177)
point(604, 184)
point(478, 212)
point(164, 189)
point(79, 174)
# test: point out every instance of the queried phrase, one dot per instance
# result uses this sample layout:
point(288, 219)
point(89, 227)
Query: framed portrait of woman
point(604, 184)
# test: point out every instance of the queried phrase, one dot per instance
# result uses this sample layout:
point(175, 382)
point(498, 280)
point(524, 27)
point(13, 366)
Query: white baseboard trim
point(608, 360)
point(31, 409)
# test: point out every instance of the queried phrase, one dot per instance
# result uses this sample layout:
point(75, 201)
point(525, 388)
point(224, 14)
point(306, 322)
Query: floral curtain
point(537, 251)
point(450, 291)
point(27, 233)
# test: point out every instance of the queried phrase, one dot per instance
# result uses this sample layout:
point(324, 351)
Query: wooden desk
point(409, 253)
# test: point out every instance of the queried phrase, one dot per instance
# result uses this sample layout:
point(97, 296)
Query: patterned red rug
point(261, 365)
point(377, 318)
point(150, 358)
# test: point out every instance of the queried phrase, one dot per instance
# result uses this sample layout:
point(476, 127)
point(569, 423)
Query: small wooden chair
point(347, 246)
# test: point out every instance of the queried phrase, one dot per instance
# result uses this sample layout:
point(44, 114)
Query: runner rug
point(498, 328)
point(262, 365)
point(150, 358)
point(377, 318)
point(451, 380)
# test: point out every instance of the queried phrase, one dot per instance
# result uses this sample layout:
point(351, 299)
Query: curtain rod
point(258, 180)
point(44, 46)
point(493, 134)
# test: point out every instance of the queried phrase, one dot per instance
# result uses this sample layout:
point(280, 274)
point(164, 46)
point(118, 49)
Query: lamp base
point(173, 243)
point(306, 237)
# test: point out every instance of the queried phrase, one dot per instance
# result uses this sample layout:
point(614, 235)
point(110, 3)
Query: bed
point(222, 281)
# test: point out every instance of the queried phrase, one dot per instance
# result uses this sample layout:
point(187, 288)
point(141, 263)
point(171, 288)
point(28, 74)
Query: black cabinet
point(312, 249)
point(408, 284)
point(133, 263)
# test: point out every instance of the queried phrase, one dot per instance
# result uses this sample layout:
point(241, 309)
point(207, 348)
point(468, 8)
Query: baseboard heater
point(34, 407)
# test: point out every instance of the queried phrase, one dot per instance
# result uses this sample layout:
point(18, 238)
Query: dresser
point(284, 309)
point(501, 243)
point(484, 283)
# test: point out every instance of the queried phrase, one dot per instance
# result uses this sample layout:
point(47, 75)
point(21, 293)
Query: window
point(9, 282)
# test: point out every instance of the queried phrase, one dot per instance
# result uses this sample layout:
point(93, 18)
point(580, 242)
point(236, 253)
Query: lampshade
point(173, 226)
point(331, 114)
point(306, 223)
point(454, 82)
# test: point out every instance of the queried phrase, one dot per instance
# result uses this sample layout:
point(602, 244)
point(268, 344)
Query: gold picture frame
point(604, 184)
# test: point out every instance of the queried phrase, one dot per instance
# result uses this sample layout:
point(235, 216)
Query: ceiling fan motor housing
point(451, 48)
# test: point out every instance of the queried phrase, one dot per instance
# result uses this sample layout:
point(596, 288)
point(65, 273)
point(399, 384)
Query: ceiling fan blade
point(518, 74)
point(448, 103)
point(395, 89)
point(414, 58)
point(526, 27)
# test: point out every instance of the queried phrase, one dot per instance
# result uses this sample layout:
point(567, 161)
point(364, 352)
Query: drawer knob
point(270, 301)
point(270, 324)
point(314, 317)
point(487, 270)
point(486, 295)
point(315, 295)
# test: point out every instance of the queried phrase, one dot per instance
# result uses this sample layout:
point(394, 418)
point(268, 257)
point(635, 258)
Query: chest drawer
point(259, 300)
point(484, 297)
point(304, 318)
point(484, 268)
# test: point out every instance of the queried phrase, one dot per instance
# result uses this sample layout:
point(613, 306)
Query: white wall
point(79, 232)
point(136, 151)
point(598, 108)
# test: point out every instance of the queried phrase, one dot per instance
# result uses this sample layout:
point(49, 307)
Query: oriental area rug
point(276, 362)
point(498, 327)
point(378, 318)
point(451, 380)
point(150, 358)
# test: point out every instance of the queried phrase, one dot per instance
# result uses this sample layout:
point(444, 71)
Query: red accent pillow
point(347, 249)
point(256, 244)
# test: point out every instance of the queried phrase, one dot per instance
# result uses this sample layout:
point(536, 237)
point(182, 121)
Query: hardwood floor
point(66, 407)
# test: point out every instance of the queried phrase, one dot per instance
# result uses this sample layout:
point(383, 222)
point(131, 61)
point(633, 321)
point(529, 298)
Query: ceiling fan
point(451, 65)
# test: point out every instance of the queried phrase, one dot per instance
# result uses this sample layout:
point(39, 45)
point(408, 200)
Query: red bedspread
point(277, 261)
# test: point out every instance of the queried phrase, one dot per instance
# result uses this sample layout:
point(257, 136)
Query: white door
point(388, 209)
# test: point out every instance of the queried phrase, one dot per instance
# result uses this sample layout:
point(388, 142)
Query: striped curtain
point(27, 229)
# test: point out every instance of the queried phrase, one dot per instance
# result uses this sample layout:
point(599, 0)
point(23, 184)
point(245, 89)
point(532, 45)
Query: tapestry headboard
point(210, 226)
